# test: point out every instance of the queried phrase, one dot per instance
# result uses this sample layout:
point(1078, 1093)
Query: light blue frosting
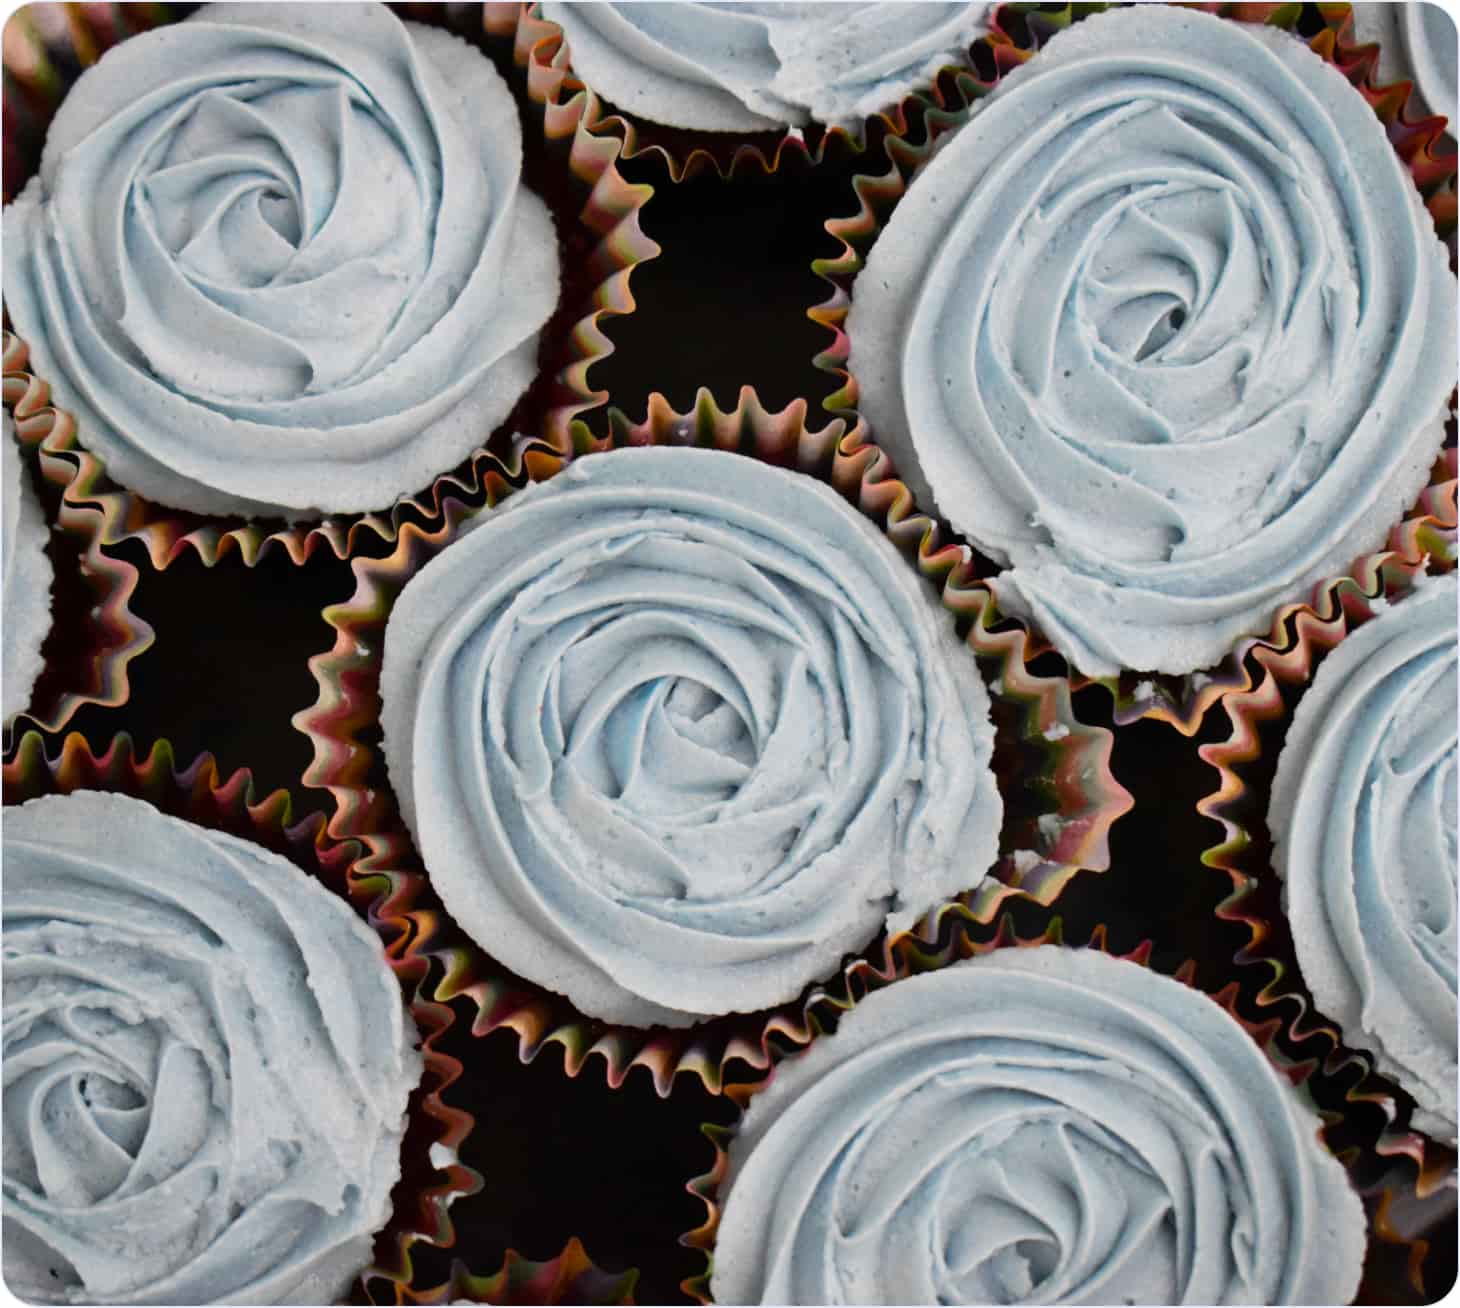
point(758, 66)
point(1166, 328)
point(1363, 819)
point(277, 258)
point(1041, 1125)
point(207, 1063)
point(27, 580)
point(678, 730)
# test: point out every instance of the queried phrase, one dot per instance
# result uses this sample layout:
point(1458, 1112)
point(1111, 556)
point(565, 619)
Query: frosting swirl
point(274, 261)
point(746, 67)
point(27, 580)
point(679, 729)
point(1042, 1125)
point(1363, 822)
point(207, 1063)
point(1168, 330)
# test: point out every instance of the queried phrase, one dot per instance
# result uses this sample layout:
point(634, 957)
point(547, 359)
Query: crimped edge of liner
point(610, 213)
point(569, 104)
point(570, 1277)
point(1068, 761)
point(1429, 527)
point(1425, 1165)
point(200, 793)
point(1287, 1052)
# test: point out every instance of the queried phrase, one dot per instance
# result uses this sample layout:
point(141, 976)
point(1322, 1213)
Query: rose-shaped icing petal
point(1363, 820)
point(27, 583)
point(745, 67)
point(1041, 1125)
point(277, 258)
point(678, 730)
point(1167, 328)
point(206, 1069)
point(1416, 43)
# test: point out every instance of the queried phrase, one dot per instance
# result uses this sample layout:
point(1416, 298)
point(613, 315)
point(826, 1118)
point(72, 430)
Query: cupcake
point(207, 1065)
point(1044, 1125)
point(278, 259)
point(27, 592)
point(1363, 821)
point(1165, 331)
point(1417, 44)
point(677, 730)
point(759, 67)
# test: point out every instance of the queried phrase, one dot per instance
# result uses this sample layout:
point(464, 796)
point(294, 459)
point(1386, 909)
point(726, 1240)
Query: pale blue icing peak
point(1363, 820)
point(1165, 328)
point(277, 258)
point(678, 729)
point(1041, 1125)
point(207, 1064)
point(758, 66)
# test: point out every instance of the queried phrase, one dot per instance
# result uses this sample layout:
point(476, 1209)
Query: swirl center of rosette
point(720, 736)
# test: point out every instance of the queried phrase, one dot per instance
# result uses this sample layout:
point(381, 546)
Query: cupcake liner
point(570, 107)
point(1393, 1267)
point(1428, 527)
point(94, 634)
point(46, 47)
point(569, 1278)
point(432, 1177)
point(1057, 824)
point(1380, 1137)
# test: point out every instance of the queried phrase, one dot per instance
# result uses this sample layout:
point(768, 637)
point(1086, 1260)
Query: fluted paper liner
point(1062, 765)
point(571, 108)
point(1380, 1141)
point(201, 794)
point(1393, 1261)
point(46, 46)
point(569, 1278)
point(1428, 527)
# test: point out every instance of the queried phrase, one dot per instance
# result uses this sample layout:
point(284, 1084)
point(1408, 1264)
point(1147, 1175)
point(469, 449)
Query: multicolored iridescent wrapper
point(1393, 1269)
point(46, 47)
point(432, 1178)
point(571, 109)
point(1180, 701)
point(570, 1278)
point(1061, 794)
point(94, 634)
point(1372, 1122)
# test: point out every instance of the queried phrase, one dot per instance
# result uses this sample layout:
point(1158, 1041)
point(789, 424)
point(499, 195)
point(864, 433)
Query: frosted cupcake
point(1164, 331)
point(1041, 1125)
point(677, 730)
point(756, 67)
point(27, 592)
point(1363, 821)
point(207, 1065)
point(1416, 40)
point(278, 260)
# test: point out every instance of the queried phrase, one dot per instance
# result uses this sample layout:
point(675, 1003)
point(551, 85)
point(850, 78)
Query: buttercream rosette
point(27, 583)
point(1163, 334)
point(1059, 765)
point(1034, 1125)
point(208, 1058)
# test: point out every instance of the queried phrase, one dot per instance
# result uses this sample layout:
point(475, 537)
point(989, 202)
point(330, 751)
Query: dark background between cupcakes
point(723, 306)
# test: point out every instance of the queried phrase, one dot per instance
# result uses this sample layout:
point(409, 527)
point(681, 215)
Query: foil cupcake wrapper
point(1070, 797)
point(569, 1278)
point(1379, 1142)
point(571, 107)
point(432, 1177)
point(46, 47)
point(1392, 1270)
point(94, 634)
point(1428, 528)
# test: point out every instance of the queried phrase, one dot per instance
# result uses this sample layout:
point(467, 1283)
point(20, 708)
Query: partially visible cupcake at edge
point(1165, 330)
point(758, 67)
point(27, 585)
point(678, 730)
point(1037, 1125)
point(1363, 820)
point(278, 260)
point(207, 1065)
